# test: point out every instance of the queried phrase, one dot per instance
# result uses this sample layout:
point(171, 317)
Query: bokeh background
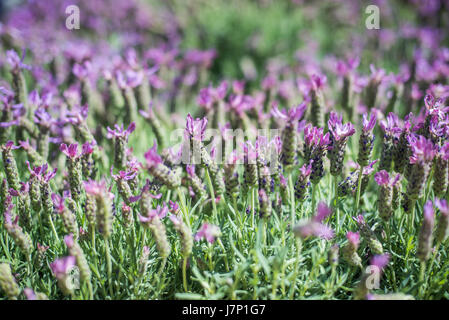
point(249, 37)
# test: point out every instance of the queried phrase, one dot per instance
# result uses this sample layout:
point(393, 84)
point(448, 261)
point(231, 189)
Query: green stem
point(252, 207)
point(292, 199)
point(333, 275)
point(224, 251)
point(53, 227)
point(183, 206)
point(91, 292)
point(359, 189)
point(184, 276)
point(335, 203)
point(432, 261)
point(314, 191)
point(421, 276)
point(92, 237)
point(237, 212)
point(411, 218)
point(295, 273)
point(158, 276)
point(109, 264)
point(212, 194)
point(274, 286)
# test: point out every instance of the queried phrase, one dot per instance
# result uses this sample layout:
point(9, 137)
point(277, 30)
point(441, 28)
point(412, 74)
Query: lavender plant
point(147, 170)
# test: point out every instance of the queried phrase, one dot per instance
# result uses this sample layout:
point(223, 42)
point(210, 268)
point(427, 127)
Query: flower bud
point(8, 283)
point(265, 204)
point(154, 223)
point(12, 174)
point(442, 231)
point(333, 255)
point(127, 216)
point(350, 250)
point(81, 261)
point(369, 236)
point(303, 183)
point(425, 236)
point(186, 235)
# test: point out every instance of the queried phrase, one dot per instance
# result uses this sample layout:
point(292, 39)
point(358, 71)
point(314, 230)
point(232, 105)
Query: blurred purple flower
point(208, 232)
point(60, 267)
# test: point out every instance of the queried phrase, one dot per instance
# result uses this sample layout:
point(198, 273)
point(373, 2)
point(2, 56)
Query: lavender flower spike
point(366, 140)
point(339, 135)
point(426, 235)
point(385, 195)
point(209, 232)
point(160, 171)
point(61, 270)
point(75, 170)
point(120, 139)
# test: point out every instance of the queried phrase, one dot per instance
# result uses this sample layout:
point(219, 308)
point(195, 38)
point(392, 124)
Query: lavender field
point(236, 150)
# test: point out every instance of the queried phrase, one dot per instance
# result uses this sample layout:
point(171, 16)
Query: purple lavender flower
point(122, 179)
point(435, 107)
point(383, 178)
point(339, 130)
point(317, 82)
point(77, 115)
point(391, 135)
point(120, 139)
point(350, 249)
point(154, 122)
point(173, 207)
point(366, 140)
point(160, 212)
point(195, 182)
point(314, 226)
point(103, 198)
point(209, 232)
point(160, 171)
point(82, 71)
point(353, 238)
point(71, 151)
point(29, 293)
point(195, 128)
point(289, 133)
point(423, 150)
point(61, 268)
point(368, 124)
point(322, 212)
point(376, 77)
point(68, 217)
point(9, 162)
point(75, 169)
point(374, 244)
point(15, 61)
point(152, 157)
point(119, 132)
point(303, 181)
point(339, 135)
point(315, 148)
point(344, 68)
point(380, 261)
point(315, 229)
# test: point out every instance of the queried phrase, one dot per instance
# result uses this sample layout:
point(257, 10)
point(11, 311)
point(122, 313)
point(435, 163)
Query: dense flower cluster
point(120, 132)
